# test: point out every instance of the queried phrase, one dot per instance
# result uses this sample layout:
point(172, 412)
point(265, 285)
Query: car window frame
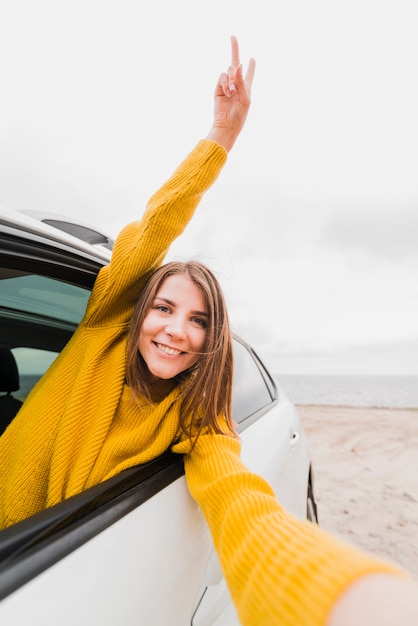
point(269, 382)
point(61, 261)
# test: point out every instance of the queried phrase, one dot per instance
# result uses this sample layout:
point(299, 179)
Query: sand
point(366, 477)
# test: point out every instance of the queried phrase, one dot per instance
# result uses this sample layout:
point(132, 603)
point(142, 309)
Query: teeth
point(168, 350)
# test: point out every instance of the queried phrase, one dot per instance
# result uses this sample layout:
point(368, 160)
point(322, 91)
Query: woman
point(150, 368)
point(61, 444)
point(180, 338)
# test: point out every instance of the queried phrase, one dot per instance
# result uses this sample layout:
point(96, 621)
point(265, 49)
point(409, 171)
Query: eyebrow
point(173, 304)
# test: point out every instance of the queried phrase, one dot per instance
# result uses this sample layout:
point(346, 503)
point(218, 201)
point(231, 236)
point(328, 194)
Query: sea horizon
point(368, 390)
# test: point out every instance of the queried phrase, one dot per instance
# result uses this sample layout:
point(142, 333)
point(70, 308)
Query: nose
point(176, 328)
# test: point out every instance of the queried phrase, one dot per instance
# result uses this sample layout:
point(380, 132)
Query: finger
point(249, 75)
point(234, 52)
point(231, 78)
point(223, 84)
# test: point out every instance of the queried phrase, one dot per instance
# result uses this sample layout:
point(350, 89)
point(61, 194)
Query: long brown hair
point(206, 389)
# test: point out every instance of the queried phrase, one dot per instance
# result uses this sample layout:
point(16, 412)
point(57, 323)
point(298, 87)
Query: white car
point(134, 550)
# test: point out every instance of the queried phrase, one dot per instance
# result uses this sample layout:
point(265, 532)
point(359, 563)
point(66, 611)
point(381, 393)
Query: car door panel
point(147, 568)
point(275, 447)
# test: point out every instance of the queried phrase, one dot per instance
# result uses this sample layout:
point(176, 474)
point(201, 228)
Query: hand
point(232, 100)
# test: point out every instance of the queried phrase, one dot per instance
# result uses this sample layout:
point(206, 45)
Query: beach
point(365, 465)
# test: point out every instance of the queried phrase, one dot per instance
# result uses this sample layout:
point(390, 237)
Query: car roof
point(21, 221)
point(80, 229)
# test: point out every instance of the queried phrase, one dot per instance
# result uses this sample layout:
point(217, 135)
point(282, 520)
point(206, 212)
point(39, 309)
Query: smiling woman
point(180, 324)
point(173, 333)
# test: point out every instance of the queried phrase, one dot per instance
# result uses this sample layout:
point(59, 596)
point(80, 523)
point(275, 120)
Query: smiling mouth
point(167, 350)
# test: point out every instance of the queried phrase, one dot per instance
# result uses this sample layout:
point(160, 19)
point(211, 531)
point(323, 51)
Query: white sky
point(312, 227)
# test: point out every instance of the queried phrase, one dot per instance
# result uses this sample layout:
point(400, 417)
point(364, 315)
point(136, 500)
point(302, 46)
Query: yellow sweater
point(80, 426)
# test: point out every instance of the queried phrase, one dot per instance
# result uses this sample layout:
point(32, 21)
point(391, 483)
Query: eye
point(200, 321)
point(163, 308)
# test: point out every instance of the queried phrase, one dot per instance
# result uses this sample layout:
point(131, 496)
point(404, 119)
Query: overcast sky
point(312, 227)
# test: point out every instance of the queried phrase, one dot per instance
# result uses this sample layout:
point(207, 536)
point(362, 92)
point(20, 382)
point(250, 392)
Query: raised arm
point(142, 246)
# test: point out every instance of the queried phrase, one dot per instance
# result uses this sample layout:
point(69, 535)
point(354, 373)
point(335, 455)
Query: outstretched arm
point(280, 569)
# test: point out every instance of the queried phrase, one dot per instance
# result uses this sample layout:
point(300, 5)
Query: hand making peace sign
point(232, 100)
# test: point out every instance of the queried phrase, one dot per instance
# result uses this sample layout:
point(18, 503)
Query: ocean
point(359, 391)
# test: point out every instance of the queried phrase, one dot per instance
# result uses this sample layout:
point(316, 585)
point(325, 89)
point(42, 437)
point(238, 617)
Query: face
point(173, 333)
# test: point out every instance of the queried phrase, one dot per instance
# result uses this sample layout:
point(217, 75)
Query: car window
point(38, 315)
point(32, 364)
point(40, 295)
point(251, 391)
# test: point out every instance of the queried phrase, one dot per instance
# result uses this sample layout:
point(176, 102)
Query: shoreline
point(365, 464)
point(360, 407)
point(362, 391)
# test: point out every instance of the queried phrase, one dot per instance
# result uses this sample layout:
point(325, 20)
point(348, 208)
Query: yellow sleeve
point(279, 569)
point(141, 246)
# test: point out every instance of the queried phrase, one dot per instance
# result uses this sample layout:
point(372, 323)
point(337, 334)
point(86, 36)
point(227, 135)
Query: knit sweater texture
point(80, 425)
